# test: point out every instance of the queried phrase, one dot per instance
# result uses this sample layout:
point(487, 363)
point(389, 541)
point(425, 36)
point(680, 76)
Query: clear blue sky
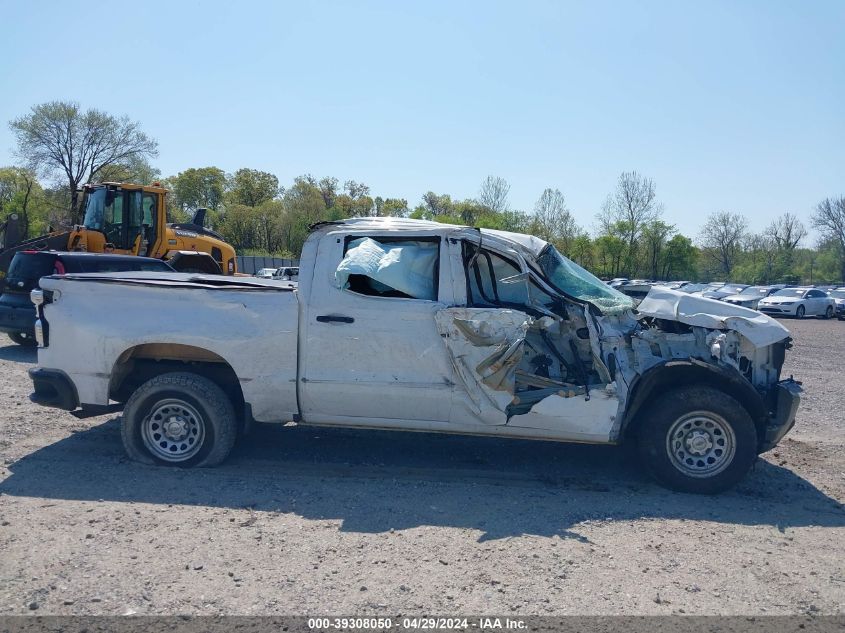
point(726, 105)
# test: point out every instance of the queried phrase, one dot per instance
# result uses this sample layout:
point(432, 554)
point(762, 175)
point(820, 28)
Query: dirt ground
point(305, 521)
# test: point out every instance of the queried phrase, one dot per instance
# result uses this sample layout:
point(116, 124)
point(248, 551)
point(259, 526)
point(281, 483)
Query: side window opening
point(406, 268)
point(488, 282)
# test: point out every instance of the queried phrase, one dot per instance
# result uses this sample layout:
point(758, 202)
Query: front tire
point(800, 311)
point(23, 339)
point(179, 419)
point(698, 440)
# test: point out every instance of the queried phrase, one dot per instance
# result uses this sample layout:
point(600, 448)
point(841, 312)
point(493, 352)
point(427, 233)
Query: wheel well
point(674, 374)
point(138, 364)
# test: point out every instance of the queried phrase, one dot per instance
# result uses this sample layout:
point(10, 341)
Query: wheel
point(23, 339)
point(799, 313)
point(179, 419)
point(697, 439)
point(828, 314)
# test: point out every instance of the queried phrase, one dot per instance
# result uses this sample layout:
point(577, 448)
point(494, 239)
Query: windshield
point(570, 278)
point(95, 210)
point(790, 292)
point(837, 294)
point(755, 290)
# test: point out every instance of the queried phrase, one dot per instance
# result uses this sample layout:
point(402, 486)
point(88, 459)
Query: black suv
point(17, 314)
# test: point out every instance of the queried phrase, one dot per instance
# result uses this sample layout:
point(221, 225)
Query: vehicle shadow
point(377, 481)
point(18, 353)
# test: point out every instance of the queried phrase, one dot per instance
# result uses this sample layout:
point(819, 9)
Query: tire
point(681, 434)
point(23, 339)
point(204, 425)
point(828, 314)
point(800, 311)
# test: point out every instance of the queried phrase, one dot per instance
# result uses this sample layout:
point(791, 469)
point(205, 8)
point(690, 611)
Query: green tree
point(196, 188)
point(680, 259)
point(252, 187)
point(610, 252)
point(582, 251)
point(393, 207)
point(240, 227)
point(60, 139)
point(303, 205)
point(655, 236)
point(21, 193)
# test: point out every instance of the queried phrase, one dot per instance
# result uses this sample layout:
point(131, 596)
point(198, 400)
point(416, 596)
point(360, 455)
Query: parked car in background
point(838, 296)
point(17, 314)
point(798, 302)
point(725, 290)
point(287, 273)
point(691, 287)
point(672, 285)
point(750, 297)
point(266, 273)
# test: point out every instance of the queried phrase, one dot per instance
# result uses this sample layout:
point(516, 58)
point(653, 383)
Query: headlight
point(788, 303)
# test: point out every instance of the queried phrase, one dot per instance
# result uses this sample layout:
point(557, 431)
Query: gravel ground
point(346, 522)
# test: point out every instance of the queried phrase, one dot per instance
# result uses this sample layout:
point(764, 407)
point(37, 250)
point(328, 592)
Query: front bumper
point(17, 320)
point(840, 310)
point(786, 397)
point(52, 388)
point(774, 308)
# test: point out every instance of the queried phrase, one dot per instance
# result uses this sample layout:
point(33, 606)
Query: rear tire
point(800, 312)
point(828, 314)
point(179, 419)
point(698, 440)
point(23, 339)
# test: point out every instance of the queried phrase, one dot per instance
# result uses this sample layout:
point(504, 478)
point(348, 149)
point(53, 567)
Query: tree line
point(61, 147)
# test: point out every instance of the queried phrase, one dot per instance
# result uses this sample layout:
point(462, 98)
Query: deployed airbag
point(408, 267)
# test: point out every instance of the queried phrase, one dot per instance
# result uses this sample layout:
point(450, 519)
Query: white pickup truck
point(413, 325)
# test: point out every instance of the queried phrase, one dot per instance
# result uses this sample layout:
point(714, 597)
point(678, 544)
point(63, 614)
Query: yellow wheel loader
point(131, 220)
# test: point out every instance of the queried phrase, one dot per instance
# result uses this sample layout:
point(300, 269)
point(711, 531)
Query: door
point(369, 348)
point(811, 303)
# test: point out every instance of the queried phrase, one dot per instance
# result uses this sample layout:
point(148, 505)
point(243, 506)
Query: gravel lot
point(346, 522)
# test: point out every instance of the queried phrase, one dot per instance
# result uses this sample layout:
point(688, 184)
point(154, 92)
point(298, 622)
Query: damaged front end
point(576, 361)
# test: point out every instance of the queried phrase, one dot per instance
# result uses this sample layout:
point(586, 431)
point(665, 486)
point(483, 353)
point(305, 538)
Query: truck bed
point(250, 324)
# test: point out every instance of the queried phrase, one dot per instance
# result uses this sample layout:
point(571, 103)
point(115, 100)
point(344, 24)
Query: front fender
point(681, 372)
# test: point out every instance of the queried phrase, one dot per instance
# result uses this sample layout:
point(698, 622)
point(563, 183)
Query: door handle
point(331, 318)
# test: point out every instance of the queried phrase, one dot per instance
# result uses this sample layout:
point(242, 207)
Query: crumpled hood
point(662, 303)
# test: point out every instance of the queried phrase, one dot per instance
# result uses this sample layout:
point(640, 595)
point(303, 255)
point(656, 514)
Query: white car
point(266, 273)
point(799, 302)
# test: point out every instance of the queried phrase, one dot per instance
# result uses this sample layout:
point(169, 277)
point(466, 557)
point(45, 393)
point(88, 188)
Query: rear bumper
point(52, 388)
point(17, 320)
point(787, 397)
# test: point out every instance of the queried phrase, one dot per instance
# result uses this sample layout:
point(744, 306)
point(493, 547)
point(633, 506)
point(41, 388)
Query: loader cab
point(127, 218)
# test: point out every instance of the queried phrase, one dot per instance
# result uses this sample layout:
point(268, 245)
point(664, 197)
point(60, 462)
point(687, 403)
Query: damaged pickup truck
point(413, 325)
